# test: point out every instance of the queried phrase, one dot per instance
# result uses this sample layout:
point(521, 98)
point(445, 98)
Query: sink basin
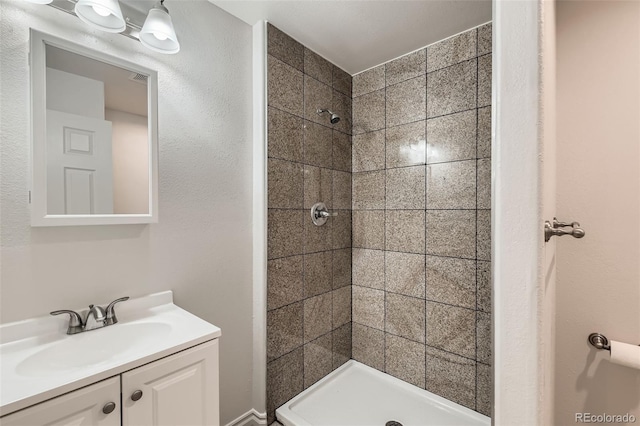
point(92, 348)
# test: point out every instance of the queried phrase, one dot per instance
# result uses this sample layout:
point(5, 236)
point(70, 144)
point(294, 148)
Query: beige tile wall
point(309, 267)
point(421, 220)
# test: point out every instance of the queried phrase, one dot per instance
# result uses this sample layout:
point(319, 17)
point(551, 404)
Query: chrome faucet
point(97, 317)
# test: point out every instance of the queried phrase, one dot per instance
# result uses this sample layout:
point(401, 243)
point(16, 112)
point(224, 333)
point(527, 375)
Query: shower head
point(334, 117)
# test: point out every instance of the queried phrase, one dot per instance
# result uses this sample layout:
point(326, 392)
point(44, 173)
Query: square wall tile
point(451, 281)
point(405, 188)
point(452, 50)
point(368, 346)
point(451, 329)
point(285, 233)
point(284, 87)
point(368, 190)
point(342, 81)
point(284, 281)
point(285, 135)
point(369, 112)
point(341, 345)
point(484, 132)
point(368, 81)
point(341, 306)
point(452, 89)
point(285, 182)
point(484, 80)
point(317, 238)
point(316, 95)
point(342, 105)
point(341, 151)
point(284, 379)
point(406, 145)
point(407, 67)
point(318, 359)
point(484, 286)
point(405, 360)
point(318, 67)
point(483, 337)
point(368, 268)
point(285, 330)
point(318, 272)
point(341, 229)
point(484, 183)
point(404, 273)
point(284, 48)
point(405, 231)
point(368, 229)
point(452, 377)
point(318, 145)
point(341, 190)
point(404, 316)
point(451, 185)
point(484, 235)
point(406, 101)
point(368, 307)
point(318, 186)
point(451, 137)
point(368, 151)
point(317, 316)
point(451, 233)
point(341, 268)
point(484, 397)
point(484, 39)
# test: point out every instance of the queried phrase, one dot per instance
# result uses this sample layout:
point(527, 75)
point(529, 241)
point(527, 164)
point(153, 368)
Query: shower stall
point(387, 281)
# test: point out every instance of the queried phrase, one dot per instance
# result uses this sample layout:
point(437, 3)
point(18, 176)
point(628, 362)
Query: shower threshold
point(358, 395)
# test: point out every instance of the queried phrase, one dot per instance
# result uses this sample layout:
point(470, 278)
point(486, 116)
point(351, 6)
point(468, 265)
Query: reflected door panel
point(79, 165)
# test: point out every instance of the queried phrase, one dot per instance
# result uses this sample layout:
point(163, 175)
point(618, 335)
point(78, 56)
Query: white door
point(79, 165)
point(84, 407)
point(180, 390)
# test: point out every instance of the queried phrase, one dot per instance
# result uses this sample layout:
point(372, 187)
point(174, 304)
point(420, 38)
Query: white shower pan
point(358, 395)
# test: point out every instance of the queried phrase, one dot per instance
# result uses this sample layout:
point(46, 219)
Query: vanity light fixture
point(157, 33)
point(104, 15)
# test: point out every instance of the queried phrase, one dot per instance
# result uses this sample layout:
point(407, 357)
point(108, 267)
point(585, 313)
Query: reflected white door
point(79, 165)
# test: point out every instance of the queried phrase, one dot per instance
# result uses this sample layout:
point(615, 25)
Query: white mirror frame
point(38, 192)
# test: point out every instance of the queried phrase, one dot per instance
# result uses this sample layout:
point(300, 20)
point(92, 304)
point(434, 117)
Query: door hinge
point(29, 197)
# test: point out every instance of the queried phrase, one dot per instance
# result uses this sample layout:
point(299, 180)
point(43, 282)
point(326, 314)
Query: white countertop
point(35, 364)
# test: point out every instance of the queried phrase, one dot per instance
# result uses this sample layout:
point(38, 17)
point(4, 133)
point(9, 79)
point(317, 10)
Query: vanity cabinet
point(181, 389)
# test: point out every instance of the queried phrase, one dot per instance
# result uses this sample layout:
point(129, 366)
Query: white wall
point(201, 248)
point(130, 145)
point(74, 94)
point(598, 157)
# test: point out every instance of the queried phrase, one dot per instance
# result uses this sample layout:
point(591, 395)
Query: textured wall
point(421, 218)
point(309, 267)
point(201, 248)
point(598, 185)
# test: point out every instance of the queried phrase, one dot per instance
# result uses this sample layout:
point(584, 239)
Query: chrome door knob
point(109, 407)
point(135, 396)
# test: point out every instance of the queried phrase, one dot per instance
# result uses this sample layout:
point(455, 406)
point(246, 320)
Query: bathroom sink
point(92, 348)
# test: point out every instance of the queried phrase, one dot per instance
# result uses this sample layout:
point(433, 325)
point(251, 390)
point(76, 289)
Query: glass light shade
point(40, 1)
point(104, 15)
point(157, 33)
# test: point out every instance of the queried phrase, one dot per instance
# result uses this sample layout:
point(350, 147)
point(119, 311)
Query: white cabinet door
point(181, 389)
point(83, 407)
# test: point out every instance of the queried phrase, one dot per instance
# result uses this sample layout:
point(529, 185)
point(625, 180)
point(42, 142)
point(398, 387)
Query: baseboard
point(250, 418)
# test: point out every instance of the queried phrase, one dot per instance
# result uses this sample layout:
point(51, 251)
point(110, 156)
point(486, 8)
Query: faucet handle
point(111, 313)
point(75, 320)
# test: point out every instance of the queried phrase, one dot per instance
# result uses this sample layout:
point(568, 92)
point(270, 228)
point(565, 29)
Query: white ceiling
point(359, 34)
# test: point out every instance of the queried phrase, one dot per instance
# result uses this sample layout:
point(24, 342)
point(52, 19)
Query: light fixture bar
point(132, 29)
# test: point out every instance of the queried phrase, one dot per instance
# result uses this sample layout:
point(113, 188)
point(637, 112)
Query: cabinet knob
point(109, 407)
point(136, 395)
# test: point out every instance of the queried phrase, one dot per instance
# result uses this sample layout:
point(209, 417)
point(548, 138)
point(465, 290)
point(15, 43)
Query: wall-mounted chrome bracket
point(320, 214)
point(556, 229)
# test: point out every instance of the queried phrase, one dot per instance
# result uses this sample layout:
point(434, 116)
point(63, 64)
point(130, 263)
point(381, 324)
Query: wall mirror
point(94, 137)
